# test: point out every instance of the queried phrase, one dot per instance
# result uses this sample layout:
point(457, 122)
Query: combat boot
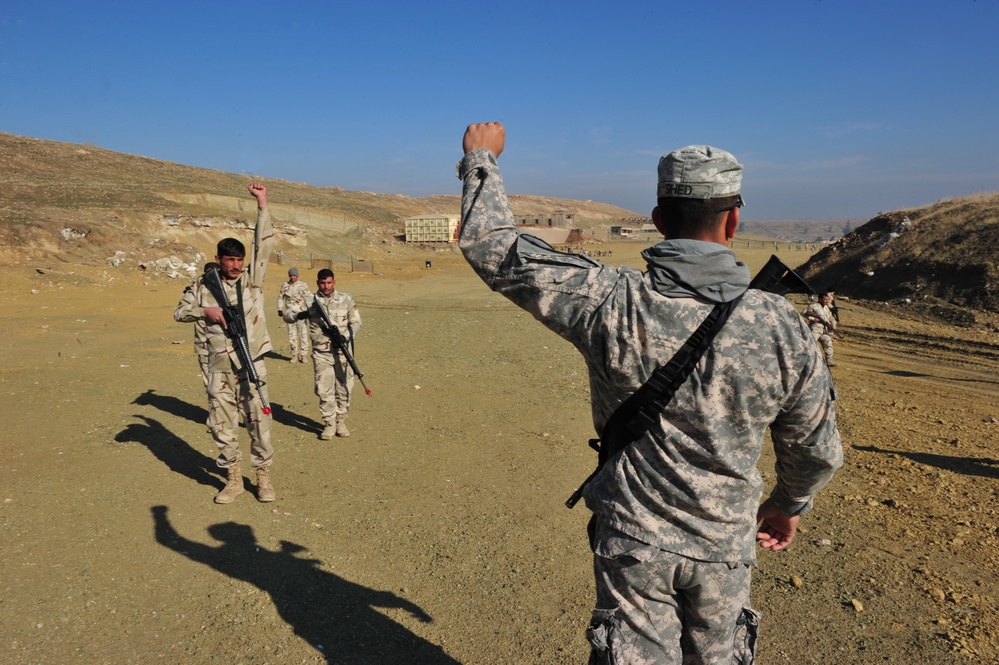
point(328, 432)
point(265, 491)
point(341, 429)
point(233, 487)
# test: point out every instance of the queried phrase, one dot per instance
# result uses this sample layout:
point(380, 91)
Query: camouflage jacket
point(338, 306)
point(221, 355)
point(691, 484)
point(290, 294)
point(820, 318)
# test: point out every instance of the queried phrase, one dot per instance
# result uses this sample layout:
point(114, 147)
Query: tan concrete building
point(436, 228)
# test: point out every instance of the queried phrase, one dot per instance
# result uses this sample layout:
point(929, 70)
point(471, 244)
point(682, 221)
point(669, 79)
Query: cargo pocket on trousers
point(746, 630)
point(604, 635)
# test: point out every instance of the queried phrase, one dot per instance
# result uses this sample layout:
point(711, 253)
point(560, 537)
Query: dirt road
point(436, 533)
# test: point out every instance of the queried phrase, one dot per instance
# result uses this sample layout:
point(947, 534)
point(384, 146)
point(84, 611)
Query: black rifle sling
point(633, 418)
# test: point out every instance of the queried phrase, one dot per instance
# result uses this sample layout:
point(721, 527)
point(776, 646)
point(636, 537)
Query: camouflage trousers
point(203, 364)
point(656, 608)
point(228, 394)
point(298, 338)
point(334, 383)
point(825, 343)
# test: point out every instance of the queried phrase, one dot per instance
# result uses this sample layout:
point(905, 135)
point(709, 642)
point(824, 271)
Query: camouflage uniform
point(298, 331)
point(823, 324)
point(675, 513)
point(229, 390)
point(334, 375)
point(200, 330)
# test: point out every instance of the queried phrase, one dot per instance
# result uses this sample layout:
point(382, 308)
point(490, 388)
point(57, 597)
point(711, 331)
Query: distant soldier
point(832, 306)
point(334, 375)
point(229, 388)
point(294, 292)
point(823, 324)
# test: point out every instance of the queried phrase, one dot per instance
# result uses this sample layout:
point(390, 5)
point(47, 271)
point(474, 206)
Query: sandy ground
point(437, 533)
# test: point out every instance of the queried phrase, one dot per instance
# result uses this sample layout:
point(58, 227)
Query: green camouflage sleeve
point(557, 289)
point(806, 440)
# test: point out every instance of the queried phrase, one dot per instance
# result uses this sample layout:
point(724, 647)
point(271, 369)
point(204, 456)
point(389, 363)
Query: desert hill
point(82, 204)
point(943, 253)
point(799, 230)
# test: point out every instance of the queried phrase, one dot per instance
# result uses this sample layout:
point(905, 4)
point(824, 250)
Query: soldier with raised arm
point(229, 387)
point(676, 512)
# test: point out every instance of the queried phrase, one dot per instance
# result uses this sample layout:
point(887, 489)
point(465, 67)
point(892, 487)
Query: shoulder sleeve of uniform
point(805, 436)
point(263, 246)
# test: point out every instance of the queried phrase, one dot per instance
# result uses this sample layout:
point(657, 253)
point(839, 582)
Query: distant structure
point(635, 228)
point(559, 219)
point(432, 228)
point(556, 228)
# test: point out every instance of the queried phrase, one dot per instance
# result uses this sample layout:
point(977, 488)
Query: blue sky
point(838, 109)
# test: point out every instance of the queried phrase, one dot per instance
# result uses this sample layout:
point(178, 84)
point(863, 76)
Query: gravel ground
point(436, 533)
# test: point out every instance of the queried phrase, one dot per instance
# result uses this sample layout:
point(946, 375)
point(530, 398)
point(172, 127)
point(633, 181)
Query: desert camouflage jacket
point(290, 294)
point(200, 326)
point(221, 356)
point(820, 318)
point(691, 485)
point(339, 307)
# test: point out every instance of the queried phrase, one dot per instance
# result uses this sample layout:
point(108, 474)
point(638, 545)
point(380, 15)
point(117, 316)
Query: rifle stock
point(776, 277)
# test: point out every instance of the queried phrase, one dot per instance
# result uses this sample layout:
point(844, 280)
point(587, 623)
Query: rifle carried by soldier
point(337, 341)
point(633, 418)
point(235, 330)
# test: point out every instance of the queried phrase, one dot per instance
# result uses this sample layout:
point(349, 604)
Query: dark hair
point(211, 265)
point(324, 273)
point(230, 247)
point(685, 218)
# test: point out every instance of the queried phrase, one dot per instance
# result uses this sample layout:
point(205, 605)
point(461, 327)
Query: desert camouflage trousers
point(334, 384)
point(825, 343)
point(203, 364)
point(298, 338)
point(659, 608)
point(229, 394)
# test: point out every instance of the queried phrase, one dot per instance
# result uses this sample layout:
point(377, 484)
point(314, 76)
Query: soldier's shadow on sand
point(178, 407)
point(338, 618)
point(173, 451)
point(917, 375)
point(969, 466)
point(172, 405)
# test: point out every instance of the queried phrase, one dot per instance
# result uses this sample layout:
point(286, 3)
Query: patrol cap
point(292, 271)
point(699, 172)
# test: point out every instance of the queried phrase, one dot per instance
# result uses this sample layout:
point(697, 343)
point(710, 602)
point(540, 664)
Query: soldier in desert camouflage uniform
point(292, 292)
point(823, 324)
point(229, 389)
point(676, 512)
point(334, 375)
